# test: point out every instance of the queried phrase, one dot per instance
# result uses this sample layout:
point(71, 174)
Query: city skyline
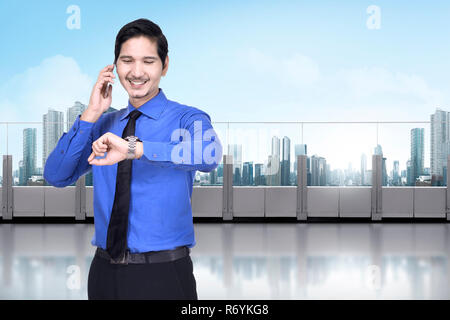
point(280, 167)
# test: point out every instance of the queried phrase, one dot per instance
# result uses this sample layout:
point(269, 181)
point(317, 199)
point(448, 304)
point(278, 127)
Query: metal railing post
point(227, 194)
point(7, 191)
point(376, 197)
point(302, 184)
point(80, 198)
point(447, 198)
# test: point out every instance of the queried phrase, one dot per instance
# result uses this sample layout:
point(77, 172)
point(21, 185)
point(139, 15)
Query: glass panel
point(25, 144)
point(264, 153)
point(3, 148)
point(339, 154)
point(407, 146)
point(214, 177)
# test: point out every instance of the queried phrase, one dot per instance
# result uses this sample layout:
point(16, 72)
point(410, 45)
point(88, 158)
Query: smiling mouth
point(137, 84)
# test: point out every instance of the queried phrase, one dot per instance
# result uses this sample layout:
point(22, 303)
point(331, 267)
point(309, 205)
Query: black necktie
point(116, 243)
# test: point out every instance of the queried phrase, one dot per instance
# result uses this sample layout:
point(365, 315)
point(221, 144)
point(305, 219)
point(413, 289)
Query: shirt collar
point(152, 108)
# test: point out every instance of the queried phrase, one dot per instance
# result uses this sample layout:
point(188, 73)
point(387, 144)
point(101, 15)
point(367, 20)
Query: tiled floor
point(250, 261)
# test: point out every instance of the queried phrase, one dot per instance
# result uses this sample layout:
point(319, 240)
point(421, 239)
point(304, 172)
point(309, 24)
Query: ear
point(166, 67)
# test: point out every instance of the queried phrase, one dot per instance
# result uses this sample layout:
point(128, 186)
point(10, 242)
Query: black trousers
point(160, 281)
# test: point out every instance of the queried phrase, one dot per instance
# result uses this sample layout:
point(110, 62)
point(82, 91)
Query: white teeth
point(138, 83)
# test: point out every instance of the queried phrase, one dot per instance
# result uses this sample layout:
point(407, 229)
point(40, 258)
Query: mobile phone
point(105, 89)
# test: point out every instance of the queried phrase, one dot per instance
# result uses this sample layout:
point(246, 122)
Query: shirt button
point(154, 155)
point(62, 151)
point(74, 129)
point(81, 131)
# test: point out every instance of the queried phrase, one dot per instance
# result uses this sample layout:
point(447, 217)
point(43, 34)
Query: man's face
point(140, 69)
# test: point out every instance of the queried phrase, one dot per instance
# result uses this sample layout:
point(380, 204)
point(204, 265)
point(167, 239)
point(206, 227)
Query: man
point(149, 153)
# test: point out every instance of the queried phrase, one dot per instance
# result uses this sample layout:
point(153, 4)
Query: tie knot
point(135, 114)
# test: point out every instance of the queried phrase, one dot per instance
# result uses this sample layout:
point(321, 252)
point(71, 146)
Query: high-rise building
point(235, 150)
point(273, 169)
point(396, 179)
point(259, 174)
point(439, 145)
point(417, 153)
point(247, 174)
point(286, 161)
point(379, 150)
point(299, 149)
point(409, 174)
point(53, 128)
point(29, 154)
point(318, 171)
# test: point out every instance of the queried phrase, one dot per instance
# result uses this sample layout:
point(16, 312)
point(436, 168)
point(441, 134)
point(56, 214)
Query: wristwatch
point(132, 146)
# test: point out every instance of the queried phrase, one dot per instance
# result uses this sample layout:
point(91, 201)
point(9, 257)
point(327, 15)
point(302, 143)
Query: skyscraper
point(247, 174)
point(286, 161)
point(259, 176)
point(409, 174)
point(273, 172)
point(236, 151)
point(379, 150)
point(396, 180)
point(417, 153)
point(53, 128)
point(29, 154)
point(318, 171)
point(439, 145)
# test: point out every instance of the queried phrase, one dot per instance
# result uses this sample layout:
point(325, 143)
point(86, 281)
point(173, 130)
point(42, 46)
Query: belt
point(147, 257)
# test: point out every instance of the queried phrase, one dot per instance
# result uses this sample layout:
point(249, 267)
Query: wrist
point(90, 116)
point(139, 149)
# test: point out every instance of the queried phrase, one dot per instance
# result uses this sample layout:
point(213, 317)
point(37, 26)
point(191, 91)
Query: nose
point(137, 71)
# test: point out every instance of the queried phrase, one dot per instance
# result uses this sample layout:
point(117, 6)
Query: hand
point(115, 146)
point(98, 102)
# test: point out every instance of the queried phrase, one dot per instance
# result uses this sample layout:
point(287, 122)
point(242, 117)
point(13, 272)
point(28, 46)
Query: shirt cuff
point(81, 127)
point(157, 151)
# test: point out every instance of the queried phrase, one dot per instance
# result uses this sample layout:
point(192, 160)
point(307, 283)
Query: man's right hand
point(97, 102)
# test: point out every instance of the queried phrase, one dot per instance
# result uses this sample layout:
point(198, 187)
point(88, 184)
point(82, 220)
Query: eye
point(148, 62)
point(126, 61)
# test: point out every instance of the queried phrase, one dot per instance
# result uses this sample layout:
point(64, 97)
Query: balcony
point(235, 193)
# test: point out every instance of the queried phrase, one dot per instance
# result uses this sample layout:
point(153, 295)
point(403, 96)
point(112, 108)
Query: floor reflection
point(250, 261)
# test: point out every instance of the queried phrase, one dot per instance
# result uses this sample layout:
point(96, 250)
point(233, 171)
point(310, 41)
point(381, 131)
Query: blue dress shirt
point(177, 139)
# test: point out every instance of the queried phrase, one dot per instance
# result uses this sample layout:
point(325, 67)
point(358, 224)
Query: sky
point(245, 61)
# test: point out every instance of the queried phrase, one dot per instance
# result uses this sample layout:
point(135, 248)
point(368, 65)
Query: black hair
point(142, 27)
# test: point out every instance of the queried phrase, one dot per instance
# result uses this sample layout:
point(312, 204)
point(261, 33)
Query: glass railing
point(265, 153)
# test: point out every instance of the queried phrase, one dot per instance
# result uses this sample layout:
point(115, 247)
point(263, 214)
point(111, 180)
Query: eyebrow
point(146, 57)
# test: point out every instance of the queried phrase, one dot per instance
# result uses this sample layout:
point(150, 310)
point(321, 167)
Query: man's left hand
point(115, 147)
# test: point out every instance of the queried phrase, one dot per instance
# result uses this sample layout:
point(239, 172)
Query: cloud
point(296, 85)
point(57, 82)
point(296, 70)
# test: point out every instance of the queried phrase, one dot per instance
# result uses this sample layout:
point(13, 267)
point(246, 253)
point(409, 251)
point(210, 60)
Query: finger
point(100, 162)
point(102, 77)
point(100, 145)
point(92, 156)
point(109, 66)
point(108, 73)
point(103, 83)
point(106, 78)
point(97, 152)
